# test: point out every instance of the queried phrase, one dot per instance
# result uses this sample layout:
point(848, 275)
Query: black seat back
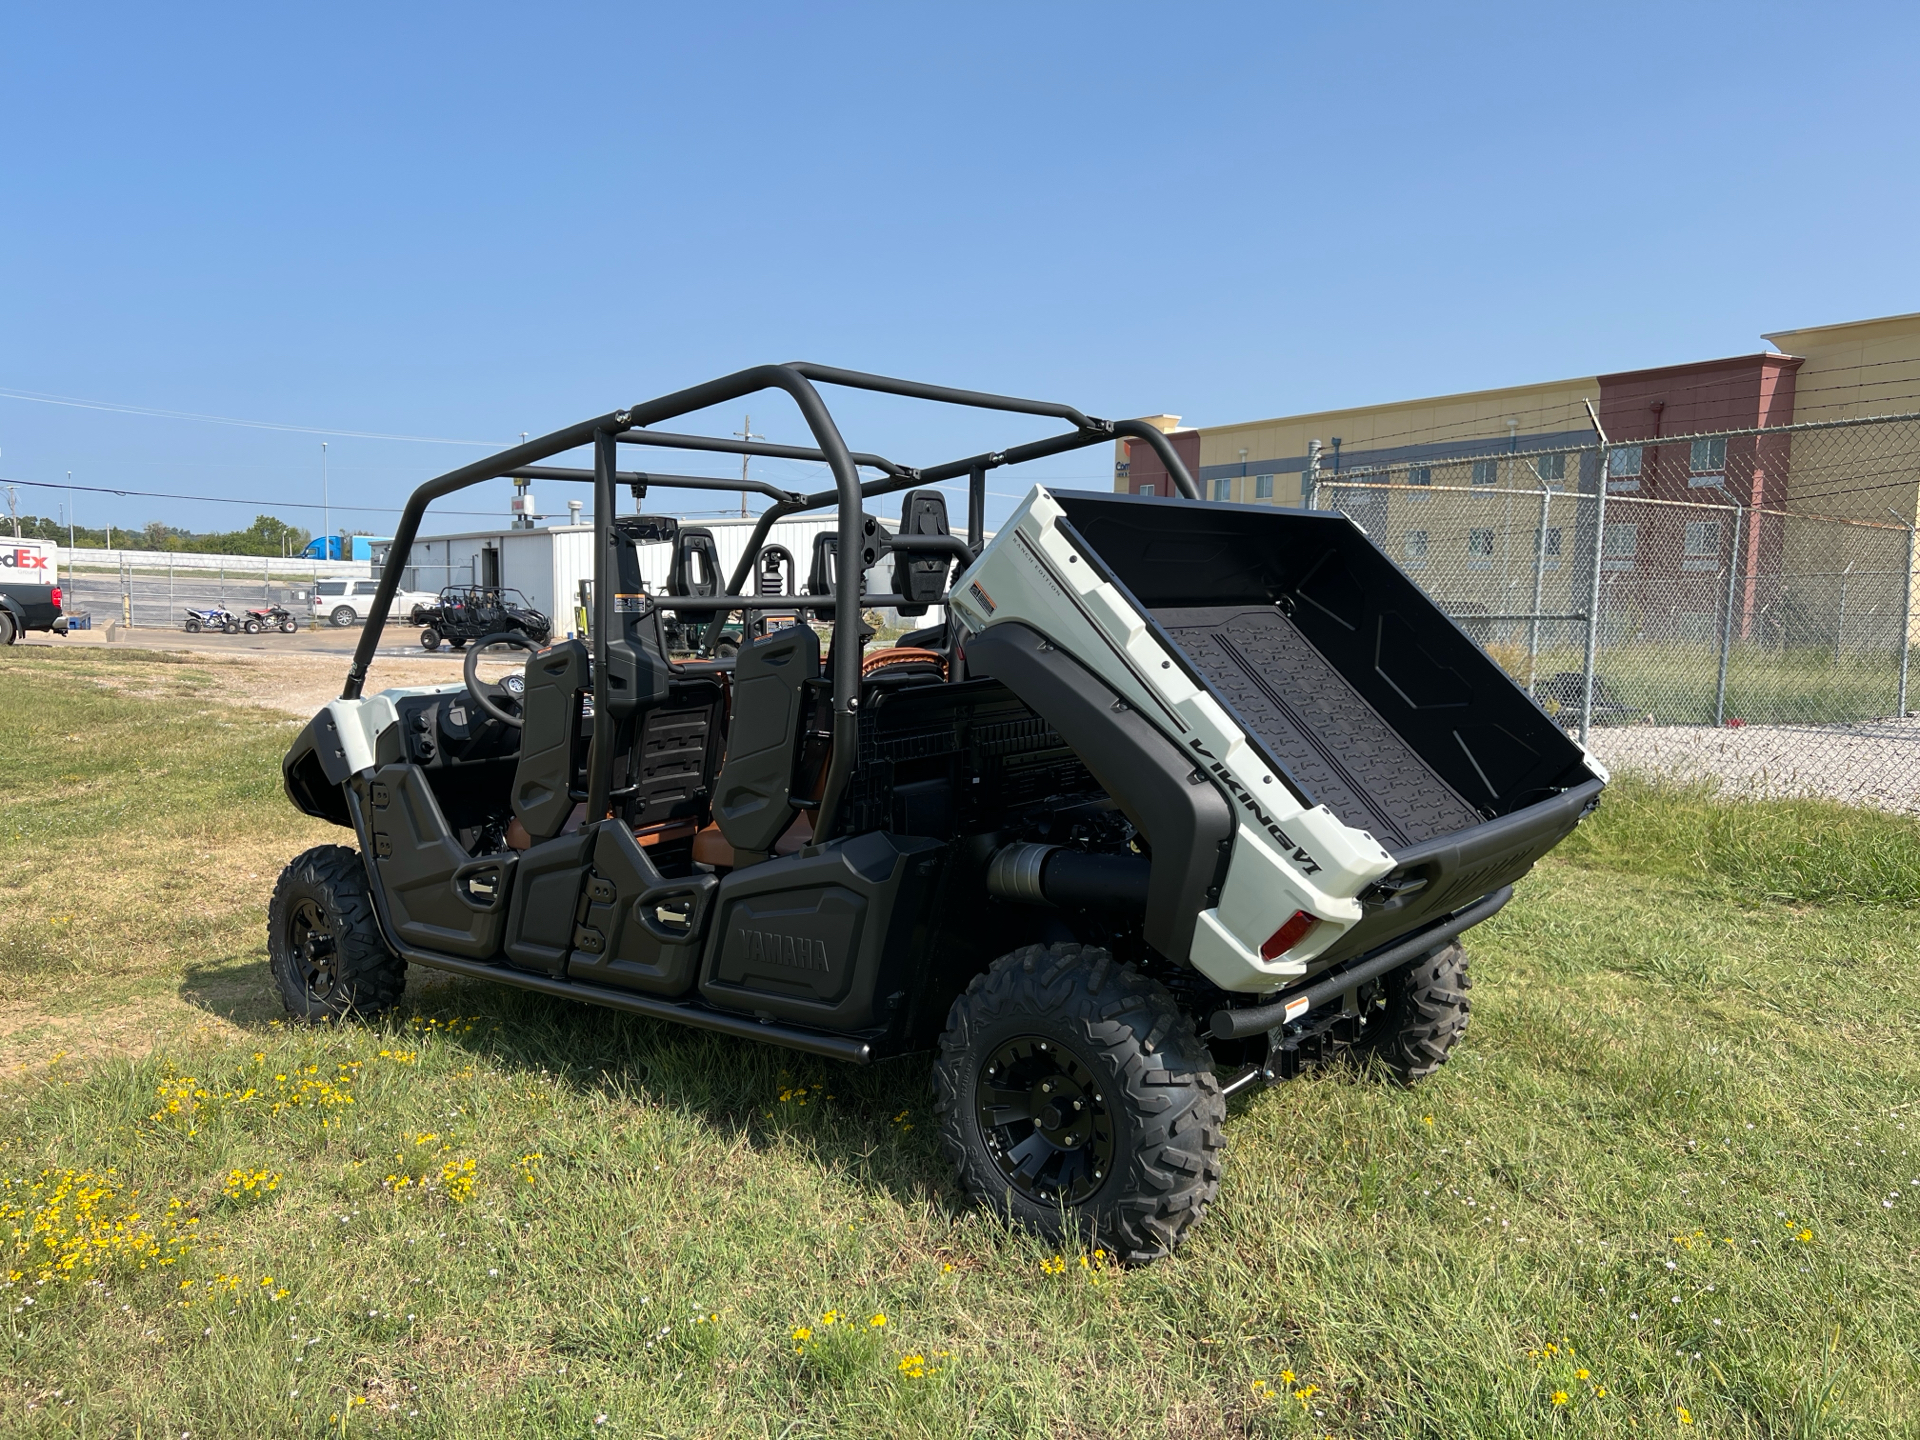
point(774, 571)
point(549, 737)
point(826, 555)
point(752, 800)
point(696, 563)
point(921, 578)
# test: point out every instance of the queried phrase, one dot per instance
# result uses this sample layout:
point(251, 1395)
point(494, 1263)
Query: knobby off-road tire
point(430, 640)
point(1061, 1043)
point(323, 941)
point(1425, 1015)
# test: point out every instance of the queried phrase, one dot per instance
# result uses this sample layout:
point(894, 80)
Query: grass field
point(1668, 1186)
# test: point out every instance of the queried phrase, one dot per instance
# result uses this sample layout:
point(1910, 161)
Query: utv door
point(435, 895)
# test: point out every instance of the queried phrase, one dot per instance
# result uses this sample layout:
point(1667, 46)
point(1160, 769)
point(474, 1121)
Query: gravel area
point(1873, 762)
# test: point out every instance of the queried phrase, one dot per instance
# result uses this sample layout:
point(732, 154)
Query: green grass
point(1766, 685)
point(1672, 1076)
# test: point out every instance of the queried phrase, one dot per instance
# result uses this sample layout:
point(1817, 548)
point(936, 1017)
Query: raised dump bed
point(1285, 638)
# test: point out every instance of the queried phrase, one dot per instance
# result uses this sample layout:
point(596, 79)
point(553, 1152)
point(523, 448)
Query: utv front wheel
point(1424, 1014)
point(1070, 1088)
point(323, 942)
point(430, 639)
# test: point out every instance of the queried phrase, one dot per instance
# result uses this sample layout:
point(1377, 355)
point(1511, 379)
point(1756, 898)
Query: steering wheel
point(512, 687)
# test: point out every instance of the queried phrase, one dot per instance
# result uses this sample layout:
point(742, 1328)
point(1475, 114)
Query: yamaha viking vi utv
point(1180, 798)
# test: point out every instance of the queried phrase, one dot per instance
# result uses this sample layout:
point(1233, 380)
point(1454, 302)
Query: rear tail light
point(56, 597)
point(1289, 935)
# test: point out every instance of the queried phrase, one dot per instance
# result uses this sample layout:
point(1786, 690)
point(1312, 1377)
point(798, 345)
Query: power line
point(226, 500)
point(153, 413)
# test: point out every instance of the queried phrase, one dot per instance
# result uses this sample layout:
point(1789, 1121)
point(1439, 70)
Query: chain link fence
point(1677, 603)
point(153, 589)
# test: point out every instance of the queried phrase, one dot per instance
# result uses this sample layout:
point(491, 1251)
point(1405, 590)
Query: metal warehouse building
point(550, 565)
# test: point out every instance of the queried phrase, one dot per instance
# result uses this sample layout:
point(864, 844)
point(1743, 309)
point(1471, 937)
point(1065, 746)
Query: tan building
point(1432, 481)
point(1267, 461)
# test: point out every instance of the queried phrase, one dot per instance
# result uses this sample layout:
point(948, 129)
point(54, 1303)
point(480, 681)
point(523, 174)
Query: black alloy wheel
point(1045, 1120)
point(324, 945)
point(1072, 1095)
point(313, 948)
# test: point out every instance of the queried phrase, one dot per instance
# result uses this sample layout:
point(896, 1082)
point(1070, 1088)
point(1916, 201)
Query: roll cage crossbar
point(799, 379)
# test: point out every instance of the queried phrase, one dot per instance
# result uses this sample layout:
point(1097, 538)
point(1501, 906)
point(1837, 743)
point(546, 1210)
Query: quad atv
point(1181, 798)
point(465, 613)
point(269, 617)
point(211, 617)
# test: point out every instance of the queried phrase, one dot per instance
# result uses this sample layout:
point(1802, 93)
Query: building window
point(1549, 543)
point(1486, 472)
point(1414, 546)
point(1263, 487)
point(1703, 546)
point(1552, 470)
point(1146, 487)
point(1623, 468)
point(1223, 488)
point(1623, 544)
point(1708, 456)
point(1479, 549)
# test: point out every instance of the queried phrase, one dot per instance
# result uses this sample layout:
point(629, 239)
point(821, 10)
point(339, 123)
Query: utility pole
point(13, 509)
point(746, 433)
point(69, 520)
point(326, 512)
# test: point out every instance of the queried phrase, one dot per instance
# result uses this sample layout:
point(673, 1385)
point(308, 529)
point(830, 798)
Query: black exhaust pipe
point(1070, 879)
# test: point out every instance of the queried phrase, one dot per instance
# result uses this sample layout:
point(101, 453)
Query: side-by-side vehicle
point(1175, 798)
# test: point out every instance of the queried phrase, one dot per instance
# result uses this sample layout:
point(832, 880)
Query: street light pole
point(326, 511)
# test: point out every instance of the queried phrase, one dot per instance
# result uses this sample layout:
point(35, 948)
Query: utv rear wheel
point(1070, 1088)
point(1424, 1015)
point(323, 941)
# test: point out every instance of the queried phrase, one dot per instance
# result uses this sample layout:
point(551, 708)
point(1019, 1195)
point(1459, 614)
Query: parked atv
point(1181, 799)
point(467, 612)
point(270, 617)
point(212, 617)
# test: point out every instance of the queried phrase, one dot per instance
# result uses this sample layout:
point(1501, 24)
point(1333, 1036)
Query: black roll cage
point(606, 433)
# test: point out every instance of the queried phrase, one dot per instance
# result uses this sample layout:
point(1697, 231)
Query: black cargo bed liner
point(1332, 743)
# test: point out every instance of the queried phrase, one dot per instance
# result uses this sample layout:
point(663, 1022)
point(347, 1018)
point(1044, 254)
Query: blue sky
point(470, 221)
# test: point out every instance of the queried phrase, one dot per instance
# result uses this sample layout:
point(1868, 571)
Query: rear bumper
point(59, 626)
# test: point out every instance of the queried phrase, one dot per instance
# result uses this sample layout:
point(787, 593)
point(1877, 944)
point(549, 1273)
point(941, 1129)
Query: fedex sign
point(29, 559)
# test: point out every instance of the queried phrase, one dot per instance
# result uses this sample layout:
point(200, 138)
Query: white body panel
point(1285, 856)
